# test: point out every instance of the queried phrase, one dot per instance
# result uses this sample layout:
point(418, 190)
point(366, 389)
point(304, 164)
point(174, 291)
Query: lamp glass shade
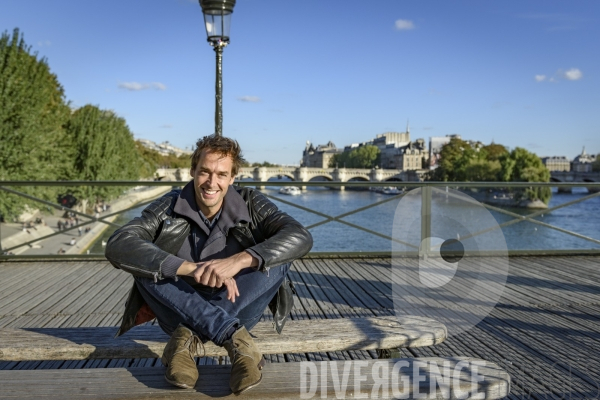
point(217, 23)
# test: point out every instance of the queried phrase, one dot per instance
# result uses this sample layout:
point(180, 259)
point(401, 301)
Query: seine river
point(582, 218)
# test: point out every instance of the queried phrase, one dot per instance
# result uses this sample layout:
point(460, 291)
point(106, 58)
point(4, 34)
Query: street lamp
point(217, 20)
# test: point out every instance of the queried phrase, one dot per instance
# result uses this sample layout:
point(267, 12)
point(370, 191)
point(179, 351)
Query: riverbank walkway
point(71, 240)
point(544, 331)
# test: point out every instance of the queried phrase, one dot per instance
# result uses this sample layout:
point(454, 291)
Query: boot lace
point(192, 344)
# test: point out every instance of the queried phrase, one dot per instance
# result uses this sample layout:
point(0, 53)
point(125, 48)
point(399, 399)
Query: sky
point(519, 73)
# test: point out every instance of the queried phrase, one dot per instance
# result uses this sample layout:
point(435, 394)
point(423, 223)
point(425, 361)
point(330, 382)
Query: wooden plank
point(382, 293)
point(562, 290)
point(322, 290)
point(16, 277)
point(87, 292)
point(149, 341)
point(84, 284)
point(422, 378)
point(318, 294)
point(116, 279)
point(304, 297)
point(344, 286)
point(43, 287)
point(29, 282)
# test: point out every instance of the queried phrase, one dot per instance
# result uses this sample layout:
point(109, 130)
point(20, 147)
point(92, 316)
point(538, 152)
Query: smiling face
point(212, 177)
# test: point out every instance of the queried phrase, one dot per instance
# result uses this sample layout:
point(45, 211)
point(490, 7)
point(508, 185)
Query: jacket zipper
point(154, 274)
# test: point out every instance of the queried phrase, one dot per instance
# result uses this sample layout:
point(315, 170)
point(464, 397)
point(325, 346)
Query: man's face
point(212, 178)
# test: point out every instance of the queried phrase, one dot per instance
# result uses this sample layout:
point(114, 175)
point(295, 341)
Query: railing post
point(425, 246)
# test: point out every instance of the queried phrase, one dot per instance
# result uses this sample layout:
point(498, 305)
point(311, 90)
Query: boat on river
point(290, 190)
point(391, 190)
point(386, 190)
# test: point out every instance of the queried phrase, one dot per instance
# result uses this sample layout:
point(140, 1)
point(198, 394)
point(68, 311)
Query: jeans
point(206, 310)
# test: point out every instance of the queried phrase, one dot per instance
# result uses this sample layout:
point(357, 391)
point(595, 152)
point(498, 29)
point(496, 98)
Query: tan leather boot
point(178, 357)
point(247, 361)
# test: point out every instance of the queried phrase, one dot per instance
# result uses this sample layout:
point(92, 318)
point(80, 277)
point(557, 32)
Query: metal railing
point(11, 187)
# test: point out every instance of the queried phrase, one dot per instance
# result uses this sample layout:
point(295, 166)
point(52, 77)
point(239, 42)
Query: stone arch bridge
point(574, 176)
point(304, 174)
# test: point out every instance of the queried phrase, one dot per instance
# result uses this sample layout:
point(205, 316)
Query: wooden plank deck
point(544, 331)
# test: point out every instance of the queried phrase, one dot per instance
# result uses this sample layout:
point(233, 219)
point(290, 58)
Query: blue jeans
point(206, 310)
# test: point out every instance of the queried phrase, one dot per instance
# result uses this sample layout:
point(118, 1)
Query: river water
point(582, 218)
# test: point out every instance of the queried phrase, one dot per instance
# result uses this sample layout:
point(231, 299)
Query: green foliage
point(494, 151)
point(522, 166)
point(361, 157)
point(103, 149)
point(32, 114)
point(481, 170)
point(459, 162)
point(264, 164)
point(151, 160)
point(596, 164)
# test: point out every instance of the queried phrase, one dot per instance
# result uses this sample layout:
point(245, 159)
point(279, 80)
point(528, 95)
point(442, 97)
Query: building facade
point(583, 162)
point(319, 156)
point(412, 156)
point(557, 163)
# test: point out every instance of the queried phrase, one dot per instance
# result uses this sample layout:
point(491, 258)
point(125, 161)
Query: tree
point(459, 162)
point(480, 170)
point(151, 160)
point(494, 151)
point(367, 156)
point(455, 158)
point(264, 164)
point(596, 164)
point(522, 166)
point(32, 114)
point(103, 149)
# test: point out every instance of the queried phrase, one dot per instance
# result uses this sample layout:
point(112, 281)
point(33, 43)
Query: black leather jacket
point(143, 244)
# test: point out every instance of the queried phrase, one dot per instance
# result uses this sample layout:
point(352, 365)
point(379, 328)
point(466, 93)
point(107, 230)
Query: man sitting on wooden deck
point(207, 260)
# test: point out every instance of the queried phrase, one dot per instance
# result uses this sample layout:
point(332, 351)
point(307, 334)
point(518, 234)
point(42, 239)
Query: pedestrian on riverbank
point(79, 231)
point(207, 260)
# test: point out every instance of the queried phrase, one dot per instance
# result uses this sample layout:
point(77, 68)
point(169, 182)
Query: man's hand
point(216, 273)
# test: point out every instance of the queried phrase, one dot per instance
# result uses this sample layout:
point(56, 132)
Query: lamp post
point(217, 20)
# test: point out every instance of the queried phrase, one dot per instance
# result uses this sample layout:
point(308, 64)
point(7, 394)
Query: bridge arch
point(242, 175)
point(276, 174)
point(320, 178)
point(282, 175)
point(394, 179)
point(358, 179)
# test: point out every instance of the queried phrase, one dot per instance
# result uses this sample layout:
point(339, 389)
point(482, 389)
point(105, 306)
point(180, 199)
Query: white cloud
point(166, 126)
point(574, 74)
point(158, 86)
point(404, 25)
point(137, 86)
point(45, 43)
point(249, 99)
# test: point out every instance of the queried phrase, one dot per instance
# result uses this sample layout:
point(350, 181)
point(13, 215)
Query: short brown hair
point(220, 145)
